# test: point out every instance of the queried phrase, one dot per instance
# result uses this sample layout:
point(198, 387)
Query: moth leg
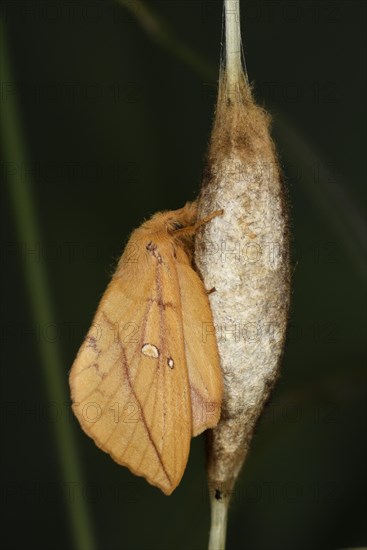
point(192, 229)
point(209, 218)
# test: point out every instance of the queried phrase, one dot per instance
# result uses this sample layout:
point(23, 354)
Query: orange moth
point(147, 376)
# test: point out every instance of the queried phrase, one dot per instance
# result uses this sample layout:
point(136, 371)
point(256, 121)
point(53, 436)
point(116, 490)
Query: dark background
point(115, 125)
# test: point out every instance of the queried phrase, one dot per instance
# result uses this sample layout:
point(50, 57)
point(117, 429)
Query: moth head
point(174, 225)
point(184, 217)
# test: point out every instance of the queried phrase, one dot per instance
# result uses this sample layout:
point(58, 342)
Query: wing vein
point(127, 374)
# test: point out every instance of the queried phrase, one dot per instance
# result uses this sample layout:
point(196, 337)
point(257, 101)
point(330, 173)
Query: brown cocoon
point(244, 255)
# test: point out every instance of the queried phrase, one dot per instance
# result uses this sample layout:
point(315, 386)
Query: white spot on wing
point(170, 362)
point(149, 350)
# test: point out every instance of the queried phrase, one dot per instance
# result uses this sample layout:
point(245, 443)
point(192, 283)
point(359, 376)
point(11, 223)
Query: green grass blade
point(25, 219)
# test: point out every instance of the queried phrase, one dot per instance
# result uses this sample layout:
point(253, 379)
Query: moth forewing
point(144, 381)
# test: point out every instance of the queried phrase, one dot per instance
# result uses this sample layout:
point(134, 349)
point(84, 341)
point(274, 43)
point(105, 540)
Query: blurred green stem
point(162, 34)
point(328, 192)
point(54, 374)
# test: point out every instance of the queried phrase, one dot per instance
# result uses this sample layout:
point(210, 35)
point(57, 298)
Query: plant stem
point(54, 374)
point(242, 176)
point(218, 529)
point(233, 41)
point(163, 35)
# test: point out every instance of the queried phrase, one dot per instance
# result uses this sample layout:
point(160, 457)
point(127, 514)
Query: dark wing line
point(162, 334)
point(137, 350)
point(159, 368)
point(122, 379)
point(127, 374)
point(122, 360)
point(96, 388)
point(161, 307)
